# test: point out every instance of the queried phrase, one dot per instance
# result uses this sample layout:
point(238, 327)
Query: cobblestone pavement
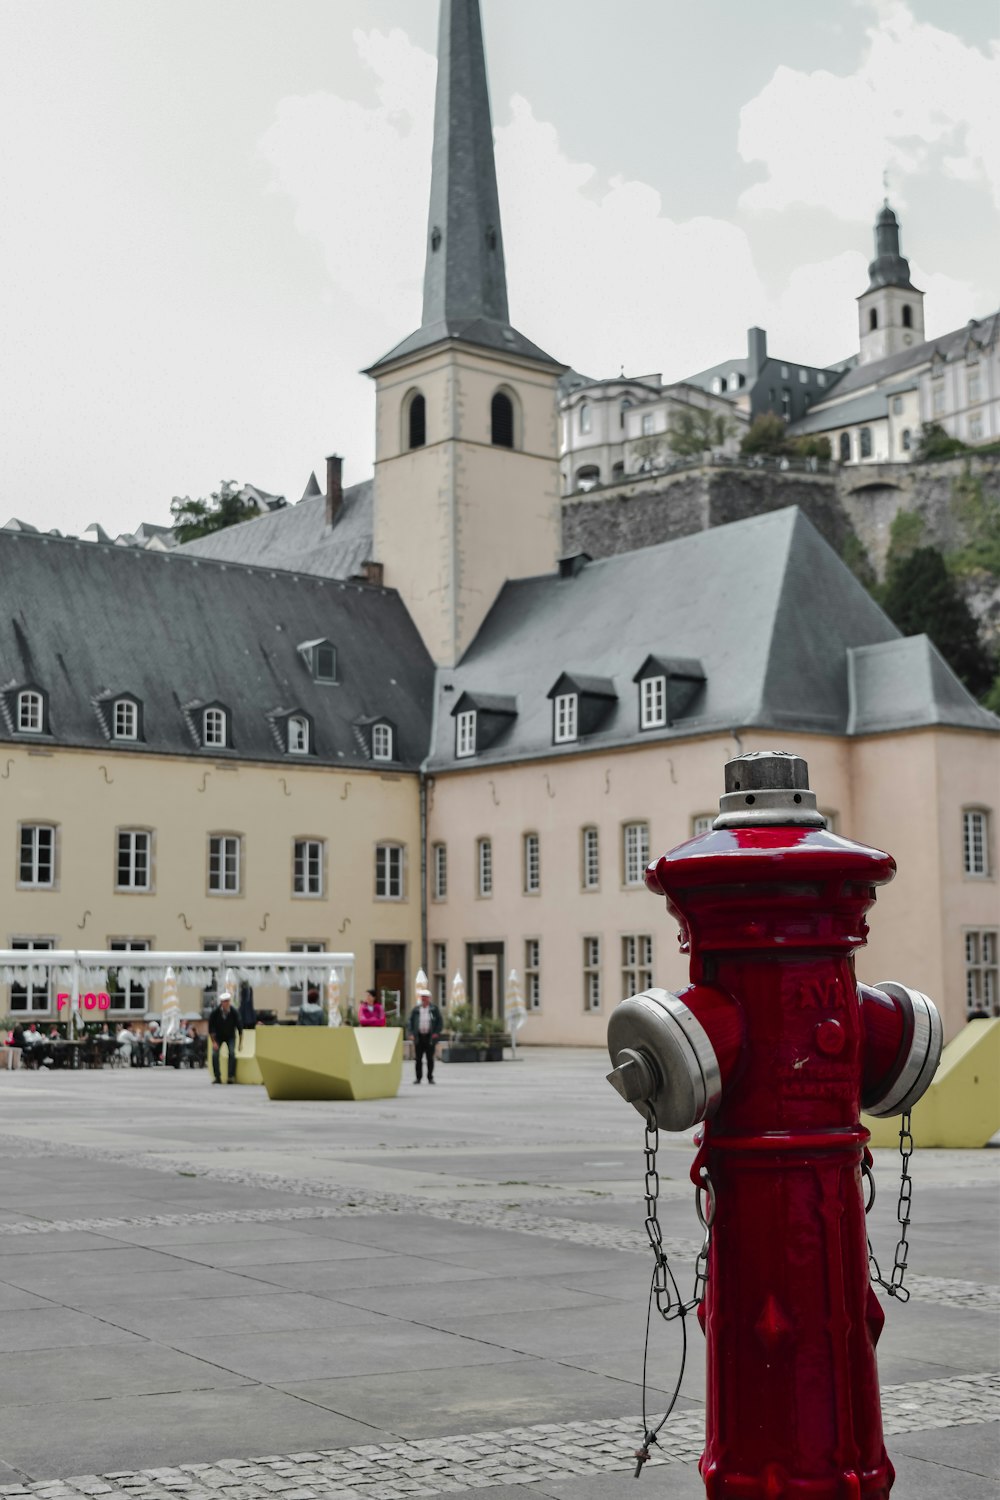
point(291, 1281)
point(483, 1460)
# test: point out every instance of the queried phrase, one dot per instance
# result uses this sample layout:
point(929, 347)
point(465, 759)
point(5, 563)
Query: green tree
point(694, 430)
point(195, 518)
point(905, 535)
point(812, 447)
point(934, 442)
point(767, 435)
point(920, 597)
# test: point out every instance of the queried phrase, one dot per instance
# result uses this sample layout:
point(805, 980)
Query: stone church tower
point(466, 452)
point(891, 311)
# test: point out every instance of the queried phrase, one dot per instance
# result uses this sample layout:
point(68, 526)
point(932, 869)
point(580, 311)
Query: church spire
point(464, 276)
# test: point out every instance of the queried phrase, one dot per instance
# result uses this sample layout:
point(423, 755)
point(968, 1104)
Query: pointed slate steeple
point(465, 275)
point(465, 280)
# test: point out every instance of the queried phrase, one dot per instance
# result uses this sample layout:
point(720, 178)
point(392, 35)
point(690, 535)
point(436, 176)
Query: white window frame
point(702, 823)
point(36, 858)
point(565, 718)
point(635, 854)
point(586, 421)
point(653, 703)
point(590, 858)
point(532, 863)
point(465, 733)
point(976, 843)
point(307, 867)
point(439, 872)
point(484, 868)
point(982, 975)
point(637, 963)
point(225, 864)
point(937, 399)
point(125, 719)
point(32, 989)
point(217, 945)
point(648, 424)
point(974, 385)
point(136, 991)
point(30, 712)
point(389, 872)
point(591, 973)
point(214, 728)
point(382, 742)
point(297, 735)
point(975, 425)
point(533, 974)
point(132, 836)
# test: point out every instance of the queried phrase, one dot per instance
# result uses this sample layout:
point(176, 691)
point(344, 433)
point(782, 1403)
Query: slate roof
point(485, 333)
point(906, 684)
point(981, 334)
point(178, 631)
point(765, 606)
point(298, 538)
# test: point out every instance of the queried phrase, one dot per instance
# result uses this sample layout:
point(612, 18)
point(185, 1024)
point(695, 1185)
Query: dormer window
point(321, 659)
point(382, 747)
point(580, 706)
point(465, 733)
point(297, 735)
point(653, 703)
point(668, 686)
point(30, 712)
point(564, 718)
point(125, 723)
point(214, 728)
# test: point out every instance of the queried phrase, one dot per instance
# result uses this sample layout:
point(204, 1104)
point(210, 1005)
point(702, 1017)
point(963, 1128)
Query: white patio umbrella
point(333, 1016)
point(171, 1010)
point(458, 989)
point(514, 1008)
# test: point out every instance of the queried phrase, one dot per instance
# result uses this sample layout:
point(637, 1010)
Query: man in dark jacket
point(424, 1026)
point(224, 1026)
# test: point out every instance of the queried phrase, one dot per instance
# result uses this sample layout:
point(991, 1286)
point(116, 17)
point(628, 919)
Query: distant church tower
point(891, 311)
point(466, 447)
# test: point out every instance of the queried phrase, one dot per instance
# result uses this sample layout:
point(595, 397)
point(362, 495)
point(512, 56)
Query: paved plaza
point(203, 1293)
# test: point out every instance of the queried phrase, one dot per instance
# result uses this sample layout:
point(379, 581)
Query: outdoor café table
point(64, 1054)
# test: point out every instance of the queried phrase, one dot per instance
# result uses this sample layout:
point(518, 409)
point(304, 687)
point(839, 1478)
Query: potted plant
point(493, 1037)
point(464, 1045)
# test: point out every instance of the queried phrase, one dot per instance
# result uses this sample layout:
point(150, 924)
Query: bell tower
point(466, 447)
point(891, 311)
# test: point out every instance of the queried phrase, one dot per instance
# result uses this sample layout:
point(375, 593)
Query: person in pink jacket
point(371, 1011)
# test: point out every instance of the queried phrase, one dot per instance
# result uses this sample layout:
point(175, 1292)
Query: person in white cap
point(224, 1025)
point(425, 1026)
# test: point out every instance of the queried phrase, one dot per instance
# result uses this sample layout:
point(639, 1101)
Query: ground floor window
point(36, 995)
point(591, 973)
point(439, 953)
point(298, 992)
point(130, 994)
point(217, 945)
point(533, 974)
point(637, 964)
point(982, 994)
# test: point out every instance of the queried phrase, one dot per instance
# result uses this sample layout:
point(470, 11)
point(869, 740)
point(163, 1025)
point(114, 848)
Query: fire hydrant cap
point(767, 786)
point(663, 1056)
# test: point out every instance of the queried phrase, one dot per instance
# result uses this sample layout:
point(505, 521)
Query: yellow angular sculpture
point(962, 1106)
point(330, 1062)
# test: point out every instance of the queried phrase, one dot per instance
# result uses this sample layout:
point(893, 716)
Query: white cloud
point(920, 97)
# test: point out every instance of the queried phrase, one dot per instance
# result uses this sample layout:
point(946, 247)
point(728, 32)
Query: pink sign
point(90, 1001)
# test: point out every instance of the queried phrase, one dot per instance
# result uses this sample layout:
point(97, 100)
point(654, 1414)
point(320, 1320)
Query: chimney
point(334, 487)
point(756, 354)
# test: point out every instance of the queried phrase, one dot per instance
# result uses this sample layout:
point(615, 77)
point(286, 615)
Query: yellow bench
point(247, 1070)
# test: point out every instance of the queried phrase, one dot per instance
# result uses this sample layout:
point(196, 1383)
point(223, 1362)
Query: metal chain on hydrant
point(894, 1286)
point(663, 1288)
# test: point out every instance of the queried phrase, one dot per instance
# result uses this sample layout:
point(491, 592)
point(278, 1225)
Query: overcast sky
point(215, 210)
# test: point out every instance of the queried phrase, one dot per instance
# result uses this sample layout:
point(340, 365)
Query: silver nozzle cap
point(768, 786)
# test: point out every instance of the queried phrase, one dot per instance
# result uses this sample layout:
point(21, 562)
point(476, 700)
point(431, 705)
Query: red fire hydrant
point(777, 1048)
